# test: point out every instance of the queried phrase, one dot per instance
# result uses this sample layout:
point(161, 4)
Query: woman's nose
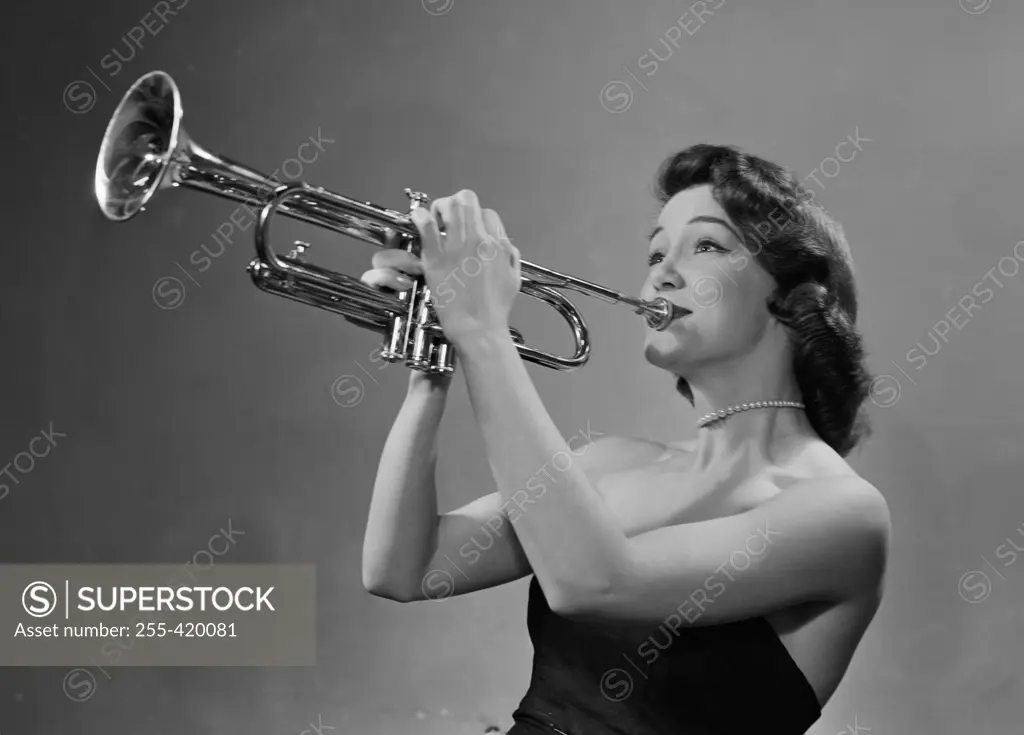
point(668, 279)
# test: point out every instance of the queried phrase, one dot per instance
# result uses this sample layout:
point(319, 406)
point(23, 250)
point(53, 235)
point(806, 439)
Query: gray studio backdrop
point(191, 405)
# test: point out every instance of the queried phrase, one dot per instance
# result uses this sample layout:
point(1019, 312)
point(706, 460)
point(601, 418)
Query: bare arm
point(402, 527)
point(412, 554)
point(477, 547)
point(409, 552)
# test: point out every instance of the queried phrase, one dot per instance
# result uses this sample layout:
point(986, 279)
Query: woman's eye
point(709, 243)
point(653, 258)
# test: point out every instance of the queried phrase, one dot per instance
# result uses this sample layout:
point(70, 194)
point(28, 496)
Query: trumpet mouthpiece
point(661, 312)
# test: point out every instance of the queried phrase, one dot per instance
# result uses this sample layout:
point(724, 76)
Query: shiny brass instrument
point(145, 148)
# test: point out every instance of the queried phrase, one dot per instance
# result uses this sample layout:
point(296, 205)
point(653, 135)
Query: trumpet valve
point(416, 199)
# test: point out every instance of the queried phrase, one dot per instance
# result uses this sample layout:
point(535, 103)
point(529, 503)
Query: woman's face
point(697, 260)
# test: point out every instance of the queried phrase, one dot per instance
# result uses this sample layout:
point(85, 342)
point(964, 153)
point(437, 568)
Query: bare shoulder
point(860, 496)
point(860, 503)
point(819, 485)
point(855, 516)
point(827, 472)
point(821, 473)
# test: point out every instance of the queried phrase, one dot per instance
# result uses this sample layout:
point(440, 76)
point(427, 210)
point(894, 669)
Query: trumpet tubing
point(145, 149)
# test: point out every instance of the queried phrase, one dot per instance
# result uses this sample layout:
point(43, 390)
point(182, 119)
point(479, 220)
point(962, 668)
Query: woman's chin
point(663, 355)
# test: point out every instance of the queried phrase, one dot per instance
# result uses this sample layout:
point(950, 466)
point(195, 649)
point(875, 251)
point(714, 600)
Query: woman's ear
point(776, 307)
point(779, 317)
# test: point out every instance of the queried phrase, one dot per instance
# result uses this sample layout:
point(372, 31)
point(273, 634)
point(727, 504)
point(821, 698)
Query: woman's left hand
point(472, 269)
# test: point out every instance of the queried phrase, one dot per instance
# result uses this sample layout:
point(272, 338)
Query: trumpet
point(145, 149)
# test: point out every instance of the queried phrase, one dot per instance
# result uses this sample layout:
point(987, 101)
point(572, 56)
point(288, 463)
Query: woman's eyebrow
point(716, 221)
point(699, 218)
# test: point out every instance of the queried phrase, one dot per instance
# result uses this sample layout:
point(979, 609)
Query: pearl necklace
point(719, 415)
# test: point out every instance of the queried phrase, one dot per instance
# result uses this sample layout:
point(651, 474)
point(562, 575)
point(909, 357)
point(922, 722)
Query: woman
point(702, 586)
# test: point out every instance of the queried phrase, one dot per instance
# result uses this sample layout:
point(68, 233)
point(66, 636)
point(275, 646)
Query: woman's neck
point(755, 435)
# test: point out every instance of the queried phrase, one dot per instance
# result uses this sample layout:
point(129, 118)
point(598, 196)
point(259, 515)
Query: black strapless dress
point(630, 679)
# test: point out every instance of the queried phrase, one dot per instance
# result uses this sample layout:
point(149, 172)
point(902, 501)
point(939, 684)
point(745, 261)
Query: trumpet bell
point(138, 145)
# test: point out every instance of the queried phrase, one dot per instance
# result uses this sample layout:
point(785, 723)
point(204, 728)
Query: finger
point(426, 221)
point(448, 211)
point(493, 223)
point(401, 260)
point(494, 227)
point(387, 278)
point(472, 214)
point(468, 198)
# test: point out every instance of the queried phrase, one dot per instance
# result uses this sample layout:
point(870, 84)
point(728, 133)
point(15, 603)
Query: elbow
point(577, 602)
point(379, 585)
point(567, 608)
point(594, 592)
point(387, 591)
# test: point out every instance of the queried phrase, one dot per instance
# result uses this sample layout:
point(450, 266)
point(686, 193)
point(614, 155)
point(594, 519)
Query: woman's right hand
point(395, 270)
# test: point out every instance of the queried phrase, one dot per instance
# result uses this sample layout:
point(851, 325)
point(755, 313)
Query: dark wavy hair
point(805, 251)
